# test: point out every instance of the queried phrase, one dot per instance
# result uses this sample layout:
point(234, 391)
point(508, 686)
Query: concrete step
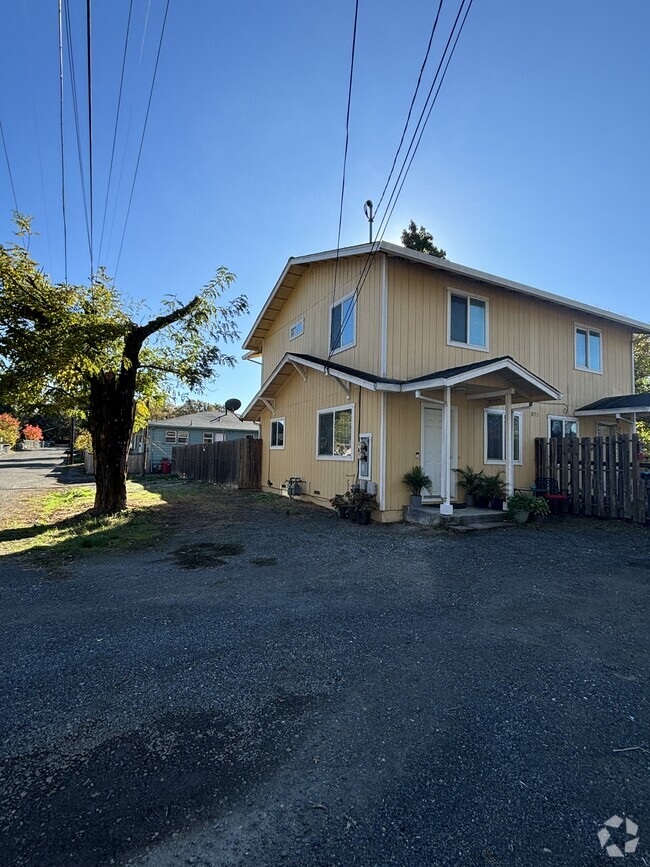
point(429, 516)
point(484, 525)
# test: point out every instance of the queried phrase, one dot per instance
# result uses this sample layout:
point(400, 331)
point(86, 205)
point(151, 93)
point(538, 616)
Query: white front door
point(431, 454)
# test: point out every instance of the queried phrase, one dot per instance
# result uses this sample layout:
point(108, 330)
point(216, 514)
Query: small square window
point(208, 437)
point(297, 329)
point(588, 349)
point(277, 433)
point(561, 426)
point(343, 323)
point(170, 436)
point(467, 321)
point(183, 437)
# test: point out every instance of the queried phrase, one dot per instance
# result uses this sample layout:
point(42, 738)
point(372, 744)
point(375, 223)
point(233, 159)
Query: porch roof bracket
point(344, 385)
point(269, 403)
point(488, 395)
point(421, 396)
point(300, 370)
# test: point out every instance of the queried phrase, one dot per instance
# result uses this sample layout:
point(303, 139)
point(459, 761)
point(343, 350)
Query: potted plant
point(492, 490)
point(539, 509)
point(364, 504)
point(341, 505)
point(471, 481)
point(519, 506)
point(416, 480)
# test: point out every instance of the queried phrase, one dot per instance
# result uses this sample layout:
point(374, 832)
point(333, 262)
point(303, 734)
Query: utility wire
point(117, 121)
point(144, 130)
point(347, 139)
point(90, 132)
point(65, 226)
point(408, 116)
point(406, 165)
point(73, 83)
point(11, 177)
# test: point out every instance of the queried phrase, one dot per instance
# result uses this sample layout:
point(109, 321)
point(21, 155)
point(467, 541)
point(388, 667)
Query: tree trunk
point(111, 417)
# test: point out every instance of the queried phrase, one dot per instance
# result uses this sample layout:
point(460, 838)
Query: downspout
point(510, 467)
point(383, 367)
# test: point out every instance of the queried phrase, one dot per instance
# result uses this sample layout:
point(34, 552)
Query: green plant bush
point(416, 480)
point(470, 480)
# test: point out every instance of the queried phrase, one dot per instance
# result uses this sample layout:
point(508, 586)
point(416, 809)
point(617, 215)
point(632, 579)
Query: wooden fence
point(602, 476)
point(234, 462)
point(133, 464)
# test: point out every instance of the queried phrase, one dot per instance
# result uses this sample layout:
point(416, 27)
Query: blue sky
point(533, 166)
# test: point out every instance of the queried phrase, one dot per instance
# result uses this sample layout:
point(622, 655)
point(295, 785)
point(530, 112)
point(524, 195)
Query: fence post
point(587, 475)
point(574, 455)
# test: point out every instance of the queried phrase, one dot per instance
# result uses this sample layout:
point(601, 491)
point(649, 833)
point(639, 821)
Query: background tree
point(642, 378)
point(421, 240)
point(32, 432)
point(85, 348)
point(9, 429)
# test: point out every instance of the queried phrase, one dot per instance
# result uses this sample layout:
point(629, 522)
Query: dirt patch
point(206, 555)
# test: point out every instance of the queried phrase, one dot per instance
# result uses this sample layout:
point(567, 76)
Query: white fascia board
point(502, 282)
point(639, 410)
point(325, 369)
point(496, 367)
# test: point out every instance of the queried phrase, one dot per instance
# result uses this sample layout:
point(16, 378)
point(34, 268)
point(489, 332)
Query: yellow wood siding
point(312, 299)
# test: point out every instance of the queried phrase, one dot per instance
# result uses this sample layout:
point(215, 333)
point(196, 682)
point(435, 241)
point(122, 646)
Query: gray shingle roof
point(207, 421)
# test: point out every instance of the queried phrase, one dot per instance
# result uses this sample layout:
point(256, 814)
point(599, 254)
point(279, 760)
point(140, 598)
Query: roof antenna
point(231, 405)
point(367, 210)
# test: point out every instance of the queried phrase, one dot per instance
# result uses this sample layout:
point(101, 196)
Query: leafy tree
point(642, 378)
point(84, 442)
point(32, 432)
point(9, 429)
point(188, 407)
point(86, 349)
point(421, 240)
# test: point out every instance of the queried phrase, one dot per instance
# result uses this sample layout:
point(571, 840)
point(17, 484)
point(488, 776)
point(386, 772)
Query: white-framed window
point(277, 433)
point(297, 329)
point(562, 426)
point(495, 436)
point(183, 437)
point(467, 320)
point(588, 349)
point(170, 436)
point(343, 325)
point(365, 456)
point(207, 437)
point(334, 432)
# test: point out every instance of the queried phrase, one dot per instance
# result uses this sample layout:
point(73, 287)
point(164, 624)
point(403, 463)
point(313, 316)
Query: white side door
point(431, 452)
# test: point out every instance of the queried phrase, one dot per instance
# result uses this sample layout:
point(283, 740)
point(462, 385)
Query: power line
point(65, 226)
point(90, 132)
point(11, 177)
point(406, 166)
point(117, 120)
point(73, 84)
point(347, 139)
point(408, 116)
point(144, 130)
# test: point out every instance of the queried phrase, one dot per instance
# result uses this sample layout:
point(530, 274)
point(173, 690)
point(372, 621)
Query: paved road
point(320, 693)
point(41, 468)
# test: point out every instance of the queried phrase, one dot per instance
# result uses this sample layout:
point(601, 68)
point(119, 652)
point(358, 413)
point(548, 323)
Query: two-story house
point(373, 362)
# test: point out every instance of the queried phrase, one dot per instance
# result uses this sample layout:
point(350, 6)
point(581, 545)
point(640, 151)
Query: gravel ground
point(34, 470)
point(330, 695)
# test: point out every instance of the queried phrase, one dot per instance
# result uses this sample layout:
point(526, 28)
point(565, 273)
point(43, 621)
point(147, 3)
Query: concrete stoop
point(463, 520)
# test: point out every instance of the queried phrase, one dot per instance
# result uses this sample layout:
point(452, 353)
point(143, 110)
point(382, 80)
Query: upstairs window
point(343, 323)
point(277, 433)
point(588, 349)
point(495, 436)
point(335, 433)
point(297, 329)
point(467, 321)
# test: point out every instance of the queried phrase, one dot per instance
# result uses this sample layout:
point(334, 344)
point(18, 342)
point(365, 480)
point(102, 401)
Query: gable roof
point(526, 384)
point(296, 267)
point(206, 421)
point(621, 403)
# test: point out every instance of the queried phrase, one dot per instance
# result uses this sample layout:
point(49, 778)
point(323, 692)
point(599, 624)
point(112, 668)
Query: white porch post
point(445, 507)
point(510, 466)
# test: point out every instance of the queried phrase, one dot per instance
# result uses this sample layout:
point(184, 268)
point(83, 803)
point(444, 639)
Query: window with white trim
point(495, 436)
point(562, 426)
point(343, 317)
point(588, 346)
point(334, 433)
point(170, 436)
point(277, 433)
point(183, 437)
point(297, 329)
point(207, 438)
point(468, 320)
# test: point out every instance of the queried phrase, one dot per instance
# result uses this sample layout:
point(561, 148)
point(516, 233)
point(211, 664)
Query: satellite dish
point(232, 405)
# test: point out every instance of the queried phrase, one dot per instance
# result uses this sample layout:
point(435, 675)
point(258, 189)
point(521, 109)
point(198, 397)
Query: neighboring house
point(433, 363)
point(199, 427)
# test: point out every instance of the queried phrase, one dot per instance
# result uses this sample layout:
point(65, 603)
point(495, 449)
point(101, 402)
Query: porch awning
point(621, 404)
point(522, 384)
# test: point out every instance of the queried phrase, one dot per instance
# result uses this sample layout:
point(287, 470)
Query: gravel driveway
point(275, 686)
